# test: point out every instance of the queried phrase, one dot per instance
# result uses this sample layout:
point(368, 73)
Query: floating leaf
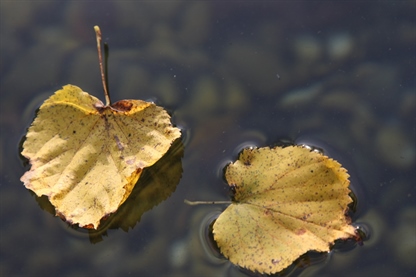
point(287, 201)
point(86, 157)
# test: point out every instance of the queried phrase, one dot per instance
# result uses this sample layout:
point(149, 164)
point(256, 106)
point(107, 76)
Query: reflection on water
point(346, 80)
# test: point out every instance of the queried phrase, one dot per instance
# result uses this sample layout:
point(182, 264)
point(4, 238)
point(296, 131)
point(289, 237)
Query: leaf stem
point(100, 60)
point(194, 203)
point(106, 54)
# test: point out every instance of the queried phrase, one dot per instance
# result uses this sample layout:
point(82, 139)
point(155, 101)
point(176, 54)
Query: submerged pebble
point(300, 97)
point(403, 241)
point(307, 48)
point(179, 254)
point(395, 148)
point(340, 46)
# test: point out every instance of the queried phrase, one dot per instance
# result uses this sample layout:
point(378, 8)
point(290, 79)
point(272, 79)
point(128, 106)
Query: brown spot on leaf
point(89, 226)
point(275, 261)
point(119, 144)
point(131, 161)
point(300, 231)
point(122, 106)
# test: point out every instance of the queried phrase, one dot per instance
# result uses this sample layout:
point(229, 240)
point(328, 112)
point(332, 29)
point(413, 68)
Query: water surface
point(336, 75)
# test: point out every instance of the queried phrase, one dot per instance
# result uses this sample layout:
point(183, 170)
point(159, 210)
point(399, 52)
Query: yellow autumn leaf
point(87, 156)
point(287, 201)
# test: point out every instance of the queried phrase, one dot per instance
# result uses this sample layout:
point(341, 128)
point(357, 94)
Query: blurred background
point(338, 75)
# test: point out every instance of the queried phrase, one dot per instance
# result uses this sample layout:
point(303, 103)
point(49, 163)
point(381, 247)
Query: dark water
point(338, 75)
